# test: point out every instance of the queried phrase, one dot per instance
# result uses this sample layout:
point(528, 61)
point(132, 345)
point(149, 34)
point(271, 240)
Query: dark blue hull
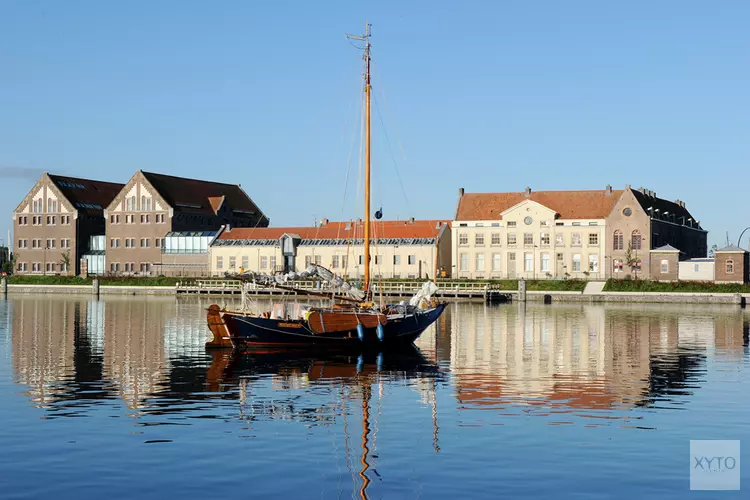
point(252, 330)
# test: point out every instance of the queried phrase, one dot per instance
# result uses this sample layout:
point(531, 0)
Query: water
point(119, 398)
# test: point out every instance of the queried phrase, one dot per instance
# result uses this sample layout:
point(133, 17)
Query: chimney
point(359, 221)
point(229, 228)
point(460, 192)
point(324, 222)
point(528, 191)
point(608, 189)
point(627, 186)
point(411, 220)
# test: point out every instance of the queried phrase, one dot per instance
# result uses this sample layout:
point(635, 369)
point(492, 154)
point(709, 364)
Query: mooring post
point(4, 286)
point(95, 288)
point(522, 290)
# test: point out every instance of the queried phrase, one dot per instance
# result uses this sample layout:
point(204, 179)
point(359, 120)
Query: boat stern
point(218, 328)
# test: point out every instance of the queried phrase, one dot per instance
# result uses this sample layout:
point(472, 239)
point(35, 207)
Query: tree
point(630, 258)
point(9, 265)
point(65, 261)
point(712, 252)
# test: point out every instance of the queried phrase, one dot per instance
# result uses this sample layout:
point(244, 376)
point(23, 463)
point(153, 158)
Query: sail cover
point(313, 271)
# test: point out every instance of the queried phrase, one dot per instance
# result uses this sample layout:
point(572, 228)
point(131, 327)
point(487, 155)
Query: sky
point(489, 96)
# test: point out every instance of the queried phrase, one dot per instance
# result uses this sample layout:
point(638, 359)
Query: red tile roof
point(87, 195)
point(569, 204)
point(338, 230)
point(194, 196)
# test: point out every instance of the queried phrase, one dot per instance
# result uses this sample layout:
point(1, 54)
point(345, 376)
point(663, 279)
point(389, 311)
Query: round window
point(627, 212)
point(528, 221)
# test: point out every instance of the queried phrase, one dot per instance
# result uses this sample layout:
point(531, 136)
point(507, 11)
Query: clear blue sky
point(491, 96)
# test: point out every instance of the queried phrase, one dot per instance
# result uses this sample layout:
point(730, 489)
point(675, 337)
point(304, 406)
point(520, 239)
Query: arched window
point(730, 266)
point(618, 241)
point(636, 240)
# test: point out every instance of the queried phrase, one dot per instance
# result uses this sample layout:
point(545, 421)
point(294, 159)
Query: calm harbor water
point(119, 398)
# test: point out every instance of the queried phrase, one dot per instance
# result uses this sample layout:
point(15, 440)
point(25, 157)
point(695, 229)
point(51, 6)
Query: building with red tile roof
point(401, 249)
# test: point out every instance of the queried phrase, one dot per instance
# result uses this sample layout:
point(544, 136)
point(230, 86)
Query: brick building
point(53, 223)
point(152, 205)
point(731, 265)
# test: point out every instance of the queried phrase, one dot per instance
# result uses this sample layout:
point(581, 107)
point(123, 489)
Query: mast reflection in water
point(538, 400)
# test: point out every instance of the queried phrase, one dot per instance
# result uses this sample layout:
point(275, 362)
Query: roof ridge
point(58, 176)
point(189, 179)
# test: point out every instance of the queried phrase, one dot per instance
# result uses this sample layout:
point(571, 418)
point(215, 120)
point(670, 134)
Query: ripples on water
point(120, 398)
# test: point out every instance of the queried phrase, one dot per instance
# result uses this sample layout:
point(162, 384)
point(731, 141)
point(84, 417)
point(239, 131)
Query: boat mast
point(368, 91)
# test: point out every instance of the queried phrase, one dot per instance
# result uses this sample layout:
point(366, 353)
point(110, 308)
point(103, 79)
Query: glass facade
point(187, 242)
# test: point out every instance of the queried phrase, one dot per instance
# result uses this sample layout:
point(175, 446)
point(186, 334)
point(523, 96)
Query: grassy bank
point(626, 285)
point(103, 280)
point(556, 285)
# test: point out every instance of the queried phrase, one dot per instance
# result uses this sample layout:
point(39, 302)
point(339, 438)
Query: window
point(594, 263)
point(577, 263)
point(480, 262)
point(511, 239)
point(377, 259)
point(22, 266)
point(65, 243)
point(318, 260)
point(344, 261)
point(145, 242)
point(36, 208)
point(129, 219)
point(50, 220)
point(157, 242)
point(617, 266)
point(637, 265)
point(159, 218)
point(51, 243)
point(479, 239)
point(464, 262)
point(463, 239)
point(36, 220)
point(65, 219)
point(576, 224)
point(220, 262)
point(544, 238)
point(245, 262)
point(545, 262)
point(575, 239)
point(560, 239)
point(664, 266)
point(496, 260)
point(495, 238)
point(51, 205)
point(593, 239)
point(145, 219)
point(23, 243)
point(232, 262)
point(635, 239)
point(559, 257)
point(512, 257)
point(729, 266)
point(511, 223)
point(528, 238)
point(617, 241)
point(335, 262)
point(528, 259)
point(544, 223)
point(696, 268)
point(264, 261)
point(127, 243)
point(50, 267)
point(396, 260)
point(145, 267)
point(36, 267)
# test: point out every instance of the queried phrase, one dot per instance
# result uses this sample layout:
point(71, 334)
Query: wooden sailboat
point(347, 323)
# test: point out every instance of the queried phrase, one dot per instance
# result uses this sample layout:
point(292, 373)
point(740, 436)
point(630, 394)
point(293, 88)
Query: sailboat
point(353, 319)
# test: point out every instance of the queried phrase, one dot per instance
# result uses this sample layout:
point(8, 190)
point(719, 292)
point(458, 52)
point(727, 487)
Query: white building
point(697, 270)
point(398, 249)
point(539, 235)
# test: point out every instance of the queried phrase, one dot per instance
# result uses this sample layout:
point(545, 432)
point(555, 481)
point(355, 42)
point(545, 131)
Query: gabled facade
point(152, 205)
point(53, 223)
point(640, 223)
point(531, 235)
point(399, 249)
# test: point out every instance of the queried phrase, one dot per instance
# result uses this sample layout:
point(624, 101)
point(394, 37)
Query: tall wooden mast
point(368, 92)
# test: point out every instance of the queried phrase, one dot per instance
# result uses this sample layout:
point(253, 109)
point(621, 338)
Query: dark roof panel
point(193, 196)
point(87, 195)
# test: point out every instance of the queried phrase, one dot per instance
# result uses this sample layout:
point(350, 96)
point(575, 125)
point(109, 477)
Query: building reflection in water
point(592, 357)
point(149, 353)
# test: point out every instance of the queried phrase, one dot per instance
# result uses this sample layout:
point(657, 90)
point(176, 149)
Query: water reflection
point(149, 353)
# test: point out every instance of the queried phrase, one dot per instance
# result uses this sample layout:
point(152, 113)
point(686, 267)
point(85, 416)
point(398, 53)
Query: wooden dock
point(447, 289)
